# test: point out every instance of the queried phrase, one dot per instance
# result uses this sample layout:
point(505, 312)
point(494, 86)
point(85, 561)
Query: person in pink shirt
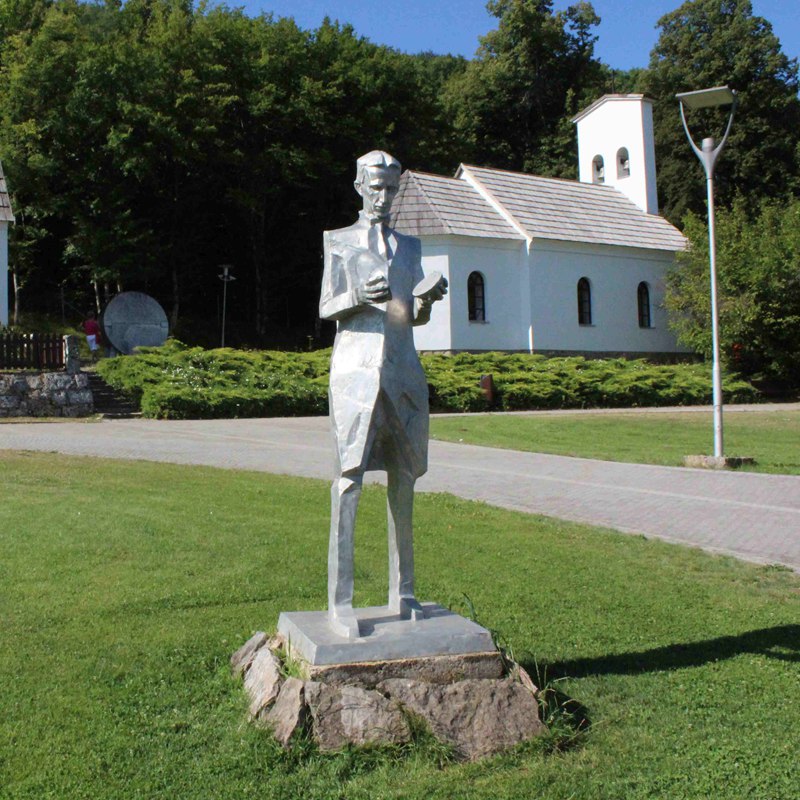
point(91, 327)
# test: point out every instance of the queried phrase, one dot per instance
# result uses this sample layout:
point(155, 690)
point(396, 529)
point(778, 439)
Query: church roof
point(433, 204)
point(550, 208)
point(6, 215)
point(497, 203)
point(609, 98)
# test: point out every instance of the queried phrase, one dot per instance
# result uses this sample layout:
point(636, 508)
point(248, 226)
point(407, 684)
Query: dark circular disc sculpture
point(134, 319)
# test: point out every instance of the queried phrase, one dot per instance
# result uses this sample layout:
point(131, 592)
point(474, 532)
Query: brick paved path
point(754, 517)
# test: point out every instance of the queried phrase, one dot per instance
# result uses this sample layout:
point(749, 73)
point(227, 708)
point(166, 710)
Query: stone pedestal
point(384, 636)
point(443, 669)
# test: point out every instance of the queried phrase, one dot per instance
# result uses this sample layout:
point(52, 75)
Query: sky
point(627, 32)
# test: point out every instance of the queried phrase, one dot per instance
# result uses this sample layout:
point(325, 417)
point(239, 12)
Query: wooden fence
point(31, 351)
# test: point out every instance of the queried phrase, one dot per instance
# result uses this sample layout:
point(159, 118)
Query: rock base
point(717, 462)
point(469, 701)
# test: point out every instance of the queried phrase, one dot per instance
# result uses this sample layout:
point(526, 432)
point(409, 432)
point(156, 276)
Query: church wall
point(435, 335)
point(501, 263)
point(614, 274)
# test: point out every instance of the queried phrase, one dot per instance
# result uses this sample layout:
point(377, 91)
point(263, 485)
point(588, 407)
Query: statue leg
point(400, 502)
point(345, 494)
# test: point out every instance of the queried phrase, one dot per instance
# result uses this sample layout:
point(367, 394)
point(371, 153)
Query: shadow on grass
point(781, 643)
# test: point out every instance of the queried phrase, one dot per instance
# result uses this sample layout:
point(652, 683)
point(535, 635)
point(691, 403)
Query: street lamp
point(226, 278)
point(708, 154)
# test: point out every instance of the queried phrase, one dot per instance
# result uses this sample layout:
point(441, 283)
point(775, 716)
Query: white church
point(546, 265)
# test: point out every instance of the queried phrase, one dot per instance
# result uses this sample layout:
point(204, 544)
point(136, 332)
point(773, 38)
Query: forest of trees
point(146, 143)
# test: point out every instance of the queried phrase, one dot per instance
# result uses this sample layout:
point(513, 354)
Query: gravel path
point(751, 516)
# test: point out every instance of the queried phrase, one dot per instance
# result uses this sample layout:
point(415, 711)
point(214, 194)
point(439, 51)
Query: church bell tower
point(616, 147)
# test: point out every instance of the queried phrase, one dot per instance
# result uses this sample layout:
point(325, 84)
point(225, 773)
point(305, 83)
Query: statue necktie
point(378, 242)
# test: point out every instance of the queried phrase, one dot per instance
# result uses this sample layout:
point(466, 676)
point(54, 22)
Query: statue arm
point(423, 305)
point(338, 299)
point(422, 311)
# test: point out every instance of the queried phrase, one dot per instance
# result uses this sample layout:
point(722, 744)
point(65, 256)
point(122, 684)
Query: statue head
point(377, 181)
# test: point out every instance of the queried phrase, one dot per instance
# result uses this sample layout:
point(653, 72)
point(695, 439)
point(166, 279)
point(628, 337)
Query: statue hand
point(375, 290)
point(436, 293)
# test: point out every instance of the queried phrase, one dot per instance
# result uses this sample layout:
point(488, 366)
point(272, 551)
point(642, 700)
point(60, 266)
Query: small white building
point(6, 217)
point(548, 265)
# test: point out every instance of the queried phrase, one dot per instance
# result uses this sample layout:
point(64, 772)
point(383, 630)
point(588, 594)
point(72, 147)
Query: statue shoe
point(409, 608)
point(344, 623)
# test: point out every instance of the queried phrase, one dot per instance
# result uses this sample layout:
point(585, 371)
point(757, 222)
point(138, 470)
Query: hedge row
point(179, 382)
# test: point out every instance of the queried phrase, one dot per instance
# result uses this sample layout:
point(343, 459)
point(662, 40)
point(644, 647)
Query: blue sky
point(627, 32)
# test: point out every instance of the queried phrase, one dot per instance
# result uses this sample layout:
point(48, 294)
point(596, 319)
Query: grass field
point(124, 587)
point(771, 437)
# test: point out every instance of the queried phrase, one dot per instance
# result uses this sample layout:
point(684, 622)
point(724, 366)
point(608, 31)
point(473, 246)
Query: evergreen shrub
point(180, 382)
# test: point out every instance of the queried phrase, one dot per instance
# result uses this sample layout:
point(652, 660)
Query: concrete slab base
point(384, 636)
point(717, 462)
point(431, 669)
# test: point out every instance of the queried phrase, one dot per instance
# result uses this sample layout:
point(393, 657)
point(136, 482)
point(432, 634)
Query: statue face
point(378, 188)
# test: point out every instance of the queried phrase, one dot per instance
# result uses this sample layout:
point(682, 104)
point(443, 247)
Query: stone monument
point(364, 669)
point(134, 319)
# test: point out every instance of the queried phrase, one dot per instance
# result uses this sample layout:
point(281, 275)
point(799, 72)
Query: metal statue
point(374, 287)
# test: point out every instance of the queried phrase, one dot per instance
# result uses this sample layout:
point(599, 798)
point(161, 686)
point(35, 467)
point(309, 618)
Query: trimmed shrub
point(179, 382)
point(169, 402)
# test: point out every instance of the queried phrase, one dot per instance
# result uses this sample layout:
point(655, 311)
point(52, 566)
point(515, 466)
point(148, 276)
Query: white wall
point(435, 335)
point(3, 273)
point(503, 266)
point(614, 274)
point(621, 121)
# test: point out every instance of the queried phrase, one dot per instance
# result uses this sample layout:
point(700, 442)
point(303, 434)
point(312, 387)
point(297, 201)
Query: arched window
point(584, 302)
point(476, 297)
point(598, 170)
point(643, 302)
point(623, 163)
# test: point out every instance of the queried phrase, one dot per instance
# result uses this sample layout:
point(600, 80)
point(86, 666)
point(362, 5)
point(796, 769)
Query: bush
point(758, 273)
point(178, 382)
point(168, 402)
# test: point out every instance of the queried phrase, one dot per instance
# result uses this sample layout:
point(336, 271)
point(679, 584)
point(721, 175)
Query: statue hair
point(375, 158)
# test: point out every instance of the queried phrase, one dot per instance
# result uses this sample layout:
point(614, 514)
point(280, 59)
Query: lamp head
point(707, 98)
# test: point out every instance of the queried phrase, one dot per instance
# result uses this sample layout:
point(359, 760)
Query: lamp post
point(708, 154)
point(226, 278)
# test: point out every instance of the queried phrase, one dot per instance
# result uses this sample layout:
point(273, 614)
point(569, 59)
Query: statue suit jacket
point(376, 378)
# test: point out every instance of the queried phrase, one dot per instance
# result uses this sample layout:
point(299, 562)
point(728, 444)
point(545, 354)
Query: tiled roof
point(549, 208)
point(433, 204)
point(6, 215)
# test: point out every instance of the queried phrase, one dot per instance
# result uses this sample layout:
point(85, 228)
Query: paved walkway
point(754, 517)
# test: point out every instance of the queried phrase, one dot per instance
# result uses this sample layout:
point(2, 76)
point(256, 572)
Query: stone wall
point(45, 394)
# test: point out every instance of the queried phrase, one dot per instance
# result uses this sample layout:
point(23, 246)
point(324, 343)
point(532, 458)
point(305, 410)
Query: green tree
point(758, 267)
point(37, 143)
point(150, 141)
point(706, 43)
point(513, 103)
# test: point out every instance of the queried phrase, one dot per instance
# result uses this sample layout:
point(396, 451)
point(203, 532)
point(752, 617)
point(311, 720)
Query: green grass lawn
point(124, 587)
point(771, 437)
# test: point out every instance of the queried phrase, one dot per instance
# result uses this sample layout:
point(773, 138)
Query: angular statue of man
point(378, 392)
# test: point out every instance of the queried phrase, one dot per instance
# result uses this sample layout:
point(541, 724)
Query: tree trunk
point(176, 300)
point(17, 293)
point(257, 250)
point(96, 287)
